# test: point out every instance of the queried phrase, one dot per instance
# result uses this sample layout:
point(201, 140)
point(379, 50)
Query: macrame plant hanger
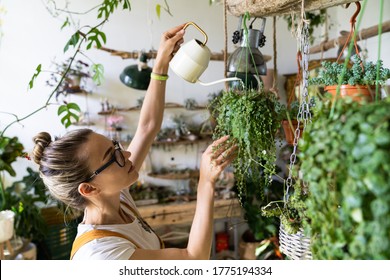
point(297, 246)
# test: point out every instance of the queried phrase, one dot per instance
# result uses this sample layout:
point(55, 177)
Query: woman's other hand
point(216, 158)
point(169, 44)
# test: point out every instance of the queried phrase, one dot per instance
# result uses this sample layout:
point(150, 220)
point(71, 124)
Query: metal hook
point(354, 16)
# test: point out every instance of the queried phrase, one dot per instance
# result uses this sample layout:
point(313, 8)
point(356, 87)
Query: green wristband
point(158, 77)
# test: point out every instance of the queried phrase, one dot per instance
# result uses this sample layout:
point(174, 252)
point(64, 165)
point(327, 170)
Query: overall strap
point(96, 234)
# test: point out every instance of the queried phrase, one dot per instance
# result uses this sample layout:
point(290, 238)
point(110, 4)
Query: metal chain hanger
point(304, 114)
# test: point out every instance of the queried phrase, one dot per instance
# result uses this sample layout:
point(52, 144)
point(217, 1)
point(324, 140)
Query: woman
point(87, 171)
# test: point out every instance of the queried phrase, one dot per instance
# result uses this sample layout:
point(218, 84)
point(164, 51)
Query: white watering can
point(193, 58)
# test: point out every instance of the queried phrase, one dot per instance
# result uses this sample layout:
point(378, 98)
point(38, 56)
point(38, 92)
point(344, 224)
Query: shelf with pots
point(168, 105)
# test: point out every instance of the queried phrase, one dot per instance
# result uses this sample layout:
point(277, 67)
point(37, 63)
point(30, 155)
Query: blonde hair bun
point(41, 140)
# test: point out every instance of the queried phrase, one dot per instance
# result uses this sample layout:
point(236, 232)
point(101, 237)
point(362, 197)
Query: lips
point(131, 169)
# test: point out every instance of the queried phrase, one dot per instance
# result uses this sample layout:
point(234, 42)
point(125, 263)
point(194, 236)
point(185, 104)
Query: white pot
point(6, 225)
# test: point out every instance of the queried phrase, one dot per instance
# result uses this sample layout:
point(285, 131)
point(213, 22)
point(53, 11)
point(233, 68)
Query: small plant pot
point(6, 225)
point(289, 131)
point(357, 93)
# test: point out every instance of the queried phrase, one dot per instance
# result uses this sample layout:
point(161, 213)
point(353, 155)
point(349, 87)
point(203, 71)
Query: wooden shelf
point(183, 142)
point(136, 108)
point(183, 213)
point(188, 174)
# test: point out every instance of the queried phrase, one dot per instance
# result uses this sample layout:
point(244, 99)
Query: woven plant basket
point(295, 246)
point(266, 8)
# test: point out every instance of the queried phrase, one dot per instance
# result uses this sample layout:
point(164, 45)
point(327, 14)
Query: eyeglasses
point(117, 157)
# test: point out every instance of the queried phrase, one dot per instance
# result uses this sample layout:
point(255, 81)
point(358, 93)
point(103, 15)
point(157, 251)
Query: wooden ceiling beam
point(267, 8)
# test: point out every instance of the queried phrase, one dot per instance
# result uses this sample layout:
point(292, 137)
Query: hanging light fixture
point(247, 62)
point(137, 76)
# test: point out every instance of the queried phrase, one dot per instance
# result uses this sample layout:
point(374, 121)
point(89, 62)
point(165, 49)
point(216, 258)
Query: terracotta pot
point(357, 93)
point(290, 132)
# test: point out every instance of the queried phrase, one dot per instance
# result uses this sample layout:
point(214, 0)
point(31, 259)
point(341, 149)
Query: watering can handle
point(200, 29)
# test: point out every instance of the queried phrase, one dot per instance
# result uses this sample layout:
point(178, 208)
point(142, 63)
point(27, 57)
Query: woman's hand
point(216, 158)
point(169, 44)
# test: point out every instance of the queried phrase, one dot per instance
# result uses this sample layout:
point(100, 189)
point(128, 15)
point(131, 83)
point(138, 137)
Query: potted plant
point(68, 77)
point(250, 117)
point(21, 200)
point(345, 162)
point(355, 81)
point(289, 115)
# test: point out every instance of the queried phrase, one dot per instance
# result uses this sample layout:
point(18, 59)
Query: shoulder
point(106, 248)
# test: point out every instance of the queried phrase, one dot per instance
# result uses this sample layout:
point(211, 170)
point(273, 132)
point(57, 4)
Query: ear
point(86, 189)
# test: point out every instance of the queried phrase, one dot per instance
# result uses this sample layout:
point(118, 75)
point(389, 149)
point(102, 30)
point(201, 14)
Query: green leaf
point(73, 41)
point(66, 120)
point(158, 10)
point(94, 36)
point(37, 71)
point(66, 23)
point(98, 73)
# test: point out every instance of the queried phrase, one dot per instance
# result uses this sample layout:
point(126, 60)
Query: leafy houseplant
point(346, 164)
point(359, 77)
point(250, 118)
point(22, 200)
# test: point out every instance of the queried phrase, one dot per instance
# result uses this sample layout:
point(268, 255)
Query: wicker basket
point(295, 246)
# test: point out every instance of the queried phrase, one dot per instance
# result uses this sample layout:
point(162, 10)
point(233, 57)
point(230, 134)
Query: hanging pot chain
point(304, 114)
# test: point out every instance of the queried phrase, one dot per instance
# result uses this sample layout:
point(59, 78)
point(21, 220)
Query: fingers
point(226, 156)
point(170, 33)
point(222, 153)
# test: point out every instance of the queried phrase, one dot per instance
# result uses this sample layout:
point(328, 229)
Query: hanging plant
point(250, 118)
point(292, 214)
point(356, 81)
point(346, 163)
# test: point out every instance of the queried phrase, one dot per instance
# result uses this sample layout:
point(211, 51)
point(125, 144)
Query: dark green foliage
point(251, 119)
point(10, 150)
point(333, 73)
point(346, 163)
point(23, 198)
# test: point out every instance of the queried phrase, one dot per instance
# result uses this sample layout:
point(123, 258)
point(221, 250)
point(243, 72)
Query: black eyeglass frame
point(118, 149)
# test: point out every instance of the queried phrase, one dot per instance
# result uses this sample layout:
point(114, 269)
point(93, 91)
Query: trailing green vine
point(346, 164)
point(250, 118)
